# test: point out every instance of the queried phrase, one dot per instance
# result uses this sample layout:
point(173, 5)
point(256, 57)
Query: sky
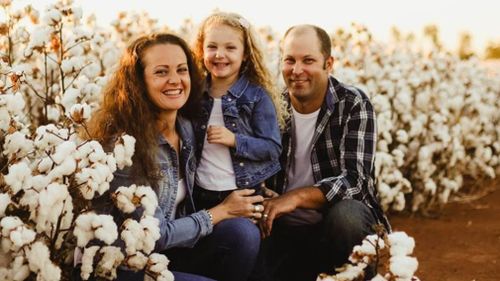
point(480, 17)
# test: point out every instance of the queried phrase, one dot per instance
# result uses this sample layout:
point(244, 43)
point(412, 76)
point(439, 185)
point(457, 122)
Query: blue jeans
point(227, 254)
point(302, 252)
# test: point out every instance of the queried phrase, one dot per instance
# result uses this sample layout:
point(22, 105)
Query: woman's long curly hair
point(126, 108)
point(253, 66)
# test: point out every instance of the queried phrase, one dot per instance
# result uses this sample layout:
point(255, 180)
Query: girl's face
point(166, 74)
point(223, 52)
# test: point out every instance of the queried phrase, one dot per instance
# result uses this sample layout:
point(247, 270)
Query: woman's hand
point(240, 203)
point(221, 135)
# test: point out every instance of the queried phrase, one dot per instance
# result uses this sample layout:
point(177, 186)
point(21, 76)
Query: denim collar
point(236, 90)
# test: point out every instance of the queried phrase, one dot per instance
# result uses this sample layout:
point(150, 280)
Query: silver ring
point(258, 208)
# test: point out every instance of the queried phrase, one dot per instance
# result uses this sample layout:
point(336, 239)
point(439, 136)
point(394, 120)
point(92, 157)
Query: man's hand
point(221, 135)
point(275, 208)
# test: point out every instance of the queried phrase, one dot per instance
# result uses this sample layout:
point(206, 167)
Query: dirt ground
point(462, 244)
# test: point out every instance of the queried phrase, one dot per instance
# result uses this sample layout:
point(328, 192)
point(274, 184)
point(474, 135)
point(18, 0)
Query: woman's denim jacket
point(188, 226)
point(250, 114)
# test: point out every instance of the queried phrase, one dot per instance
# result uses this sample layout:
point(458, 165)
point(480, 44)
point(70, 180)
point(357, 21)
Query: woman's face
point(166, 74)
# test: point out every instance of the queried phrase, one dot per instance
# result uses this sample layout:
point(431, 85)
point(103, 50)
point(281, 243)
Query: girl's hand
point(239, 203)
point(221, 135)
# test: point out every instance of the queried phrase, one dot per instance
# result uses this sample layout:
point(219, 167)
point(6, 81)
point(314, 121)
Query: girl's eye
point(161, 72)
point(211, 47)
point(231, 47)
point(289, 61)
point(183, 70)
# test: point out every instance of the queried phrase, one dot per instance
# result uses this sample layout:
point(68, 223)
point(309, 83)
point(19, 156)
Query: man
point(328, 201)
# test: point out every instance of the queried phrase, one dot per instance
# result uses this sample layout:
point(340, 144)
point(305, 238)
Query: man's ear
point(329, 63)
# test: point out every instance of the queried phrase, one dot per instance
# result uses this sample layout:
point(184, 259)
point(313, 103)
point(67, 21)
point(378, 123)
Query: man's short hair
point(323, 37)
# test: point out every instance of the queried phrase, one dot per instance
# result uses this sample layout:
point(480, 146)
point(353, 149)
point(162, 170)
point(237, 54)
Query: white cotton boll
point(403, 267)
point(123, 199)
point(98, 154)
point(70, 97)
point(14, 103)
point(80, 113)
point(53, 113)
point(18, 143)
point(430, 186)
point(151, 227)
point(4, 119)
point(157, 263)
point(400, 243)
point(67, 66)
point(88, 262)
point(398, 157)
point(50, 272)
point(63, 151)
point(39, 37)
point(38, 254)
point(112, 257)
point(83, 229)
point(106, 231)
point(52, 17)
point(111, 163)
point(165, 276)
point(19, 176)
point(52, 202)
point(132, 235)
point(148, 199)
point(92, 70)
point(45, 165)
point(137, 261)
point(66, 168)
point(4, 202)
point(402, 136)
point(399, 202)
point(351, 272)
point(20, 269)
point(22, 236)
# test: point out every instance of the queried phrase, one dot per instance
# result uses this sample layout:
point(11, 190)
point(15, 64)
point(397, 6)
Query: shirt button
point(234, 124)
point(242, 164)
point(228, 99)
point(246, 183)
point(203, 127)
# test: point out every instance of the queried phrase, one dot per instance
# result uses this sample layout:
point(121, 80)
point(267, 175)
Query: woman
point(151, 96)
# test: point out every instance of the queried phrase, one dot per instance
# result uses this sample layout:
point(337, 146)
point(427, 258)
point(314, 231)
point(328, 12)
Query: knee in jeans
point(242, 232)
point(349, 218)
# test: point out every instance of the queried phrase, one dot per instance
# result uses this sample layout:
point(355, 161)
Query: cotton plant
point(390, 253)
point(52, 71)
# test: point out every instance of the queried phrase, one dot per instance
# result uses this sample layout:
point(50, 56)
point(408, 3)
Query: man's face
point(304, 67)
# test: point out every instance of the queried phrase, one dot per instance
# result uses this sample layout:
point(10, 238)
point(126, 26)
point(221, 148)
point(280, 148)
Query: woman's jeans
point(227, 254)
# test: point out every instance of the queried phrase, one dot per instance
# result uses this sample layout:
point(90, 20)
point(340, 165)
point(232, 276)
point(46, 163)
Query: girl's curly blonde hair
point(253, 67)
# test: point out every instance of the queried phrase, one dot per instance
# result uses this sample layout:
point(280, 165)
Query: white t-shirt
point(180, 196)
point(215, 171)
point(300, 173)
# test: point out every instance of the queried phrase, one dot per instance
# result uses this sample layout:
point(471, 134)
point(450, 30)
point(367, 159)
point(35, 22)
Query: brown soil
point(462, 244)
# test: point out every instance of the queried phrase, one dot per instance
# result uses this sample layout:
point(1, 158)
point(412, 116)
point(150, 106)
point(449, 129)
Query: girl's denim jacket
point(250, 114)
point(188, 226)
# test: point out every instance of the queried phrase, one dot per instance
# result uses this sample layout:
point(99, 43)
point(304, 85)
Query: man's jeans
point(227, 254)
point(302, 252)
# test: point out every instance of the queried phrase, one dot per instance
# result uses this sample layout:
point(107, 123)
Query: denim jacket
point(188, 226)
point(250, 114)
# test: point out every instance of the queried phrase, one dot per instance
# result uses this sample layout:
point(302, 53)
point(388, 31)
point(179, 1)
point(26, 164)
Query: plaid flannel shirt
point(343, 153)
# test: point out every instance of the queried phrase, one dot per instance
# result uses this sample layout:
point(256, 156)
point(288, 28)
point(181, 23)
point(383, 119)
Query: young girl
point(237, 131)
